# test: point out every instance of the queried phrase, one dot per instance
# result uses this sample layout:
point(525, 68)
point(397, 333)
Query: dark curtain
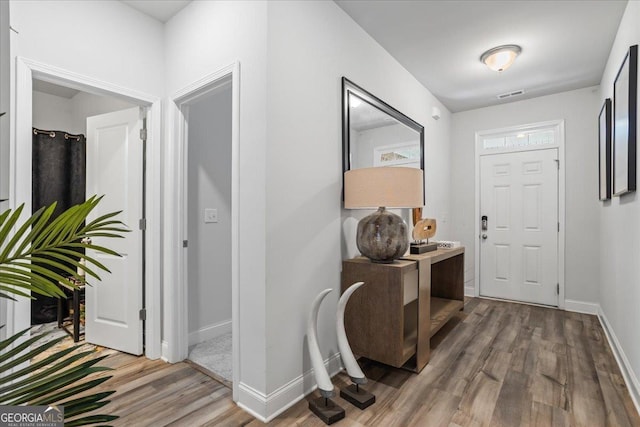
point(58, 173)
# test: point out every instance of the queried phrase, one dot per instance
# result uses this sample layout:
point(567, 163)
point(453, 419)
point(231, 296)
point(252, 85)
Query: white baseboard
point(267, 407)
point(469, 291)
point(581, 306)
point(209, 332)
point(165, 351)
point(625, 367)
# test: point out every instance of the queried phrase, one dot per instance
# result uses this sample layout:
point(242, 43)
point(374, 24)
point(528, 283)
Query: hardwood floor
point(498, 364)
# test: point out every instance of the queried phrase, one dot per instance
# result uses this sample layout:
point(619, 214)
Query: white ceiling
point(565, 44)
point(162, 10)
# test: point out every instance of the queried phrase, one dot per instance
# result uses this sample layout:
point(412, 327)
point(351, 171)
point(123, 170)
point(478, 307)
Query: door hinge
point(558, 288)
point(143, 224)
point(143, 314)
point(143, 134)
point(557, 163)
point(185, 243)
point(558, 227)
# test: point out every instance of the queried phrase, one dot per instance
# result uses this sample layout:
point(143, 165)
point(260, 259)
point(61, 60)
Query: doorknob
point(484, 237)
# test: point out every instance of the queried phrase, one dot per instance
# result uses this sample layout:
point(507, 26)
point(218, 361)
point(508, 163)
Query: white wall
point(105, 40)
point(579, 109)
point(51, 112)
point(620, 226)
point(311, 45)
point(85, 105)
point(209, 188)
point(4, 108)
point(204, 37)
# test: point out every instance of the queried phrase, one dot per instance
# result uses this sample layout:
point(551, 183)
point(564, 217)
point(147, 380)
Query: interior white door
point(114, 169)
point(519, 248)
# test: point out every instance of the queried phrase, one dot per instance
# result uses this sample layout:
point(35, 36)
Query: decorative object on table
point(423, 230)
point(326, 409)
point(604, 150)
point(625, 93)
point(353, 393)
point(382, 236)
point(448, 244)
point(416, 215)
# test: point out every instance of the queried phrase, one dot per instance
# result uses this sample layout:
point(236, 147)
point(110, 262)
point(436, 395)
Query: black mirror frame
point(350, 87)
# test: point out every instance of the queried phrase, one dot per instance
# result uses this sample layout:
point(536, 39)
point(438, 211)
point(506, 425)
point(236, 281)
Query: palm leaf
point(42, 249)
point(71, 391)
point(52, 379)
point(36, 257)
point(85, 404)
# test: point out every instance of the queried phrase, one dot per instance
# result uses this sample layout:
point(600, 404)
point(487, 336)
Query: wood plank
point(545, 415)
point(478, 403)
point(542, 372)
point(514, 401)
point(441, 311)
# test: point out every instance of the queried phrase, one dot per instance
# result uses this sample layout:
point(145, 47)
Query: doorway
point(84, 145)
point(520, 214)
point(208, 230)
point(28, 72)
point(177, 315)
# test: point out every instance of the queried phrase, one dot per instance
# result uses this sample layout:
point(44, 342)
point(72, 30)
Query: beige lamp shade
point(392, 187)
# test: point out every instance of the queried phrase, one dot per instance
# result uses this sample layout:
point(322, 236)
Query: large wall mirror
point(376, 134)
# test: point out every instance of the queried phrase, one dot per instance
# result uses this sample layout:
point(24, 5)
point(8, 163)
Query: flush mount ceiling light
point(500, 58)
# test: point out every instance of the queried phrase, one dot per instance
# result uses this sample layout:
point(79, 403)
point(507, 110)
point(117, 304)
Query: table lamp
point(382, 236)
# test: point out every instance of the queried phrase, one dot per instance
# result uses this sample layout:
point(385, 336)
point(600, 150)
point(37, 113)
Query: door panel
point(114, 169)
point(519, 249)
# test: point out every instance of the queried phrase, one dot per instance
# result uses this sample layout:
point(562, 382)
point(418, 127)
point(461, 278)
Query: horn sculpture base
point(326, 409)
point(357, 396)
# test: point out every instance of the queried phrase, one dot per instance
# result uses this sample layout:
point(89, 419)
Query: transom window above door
point(520, 139)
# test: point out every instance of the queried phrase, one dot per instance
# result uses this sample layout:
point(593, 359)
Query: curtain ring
point(37, 131)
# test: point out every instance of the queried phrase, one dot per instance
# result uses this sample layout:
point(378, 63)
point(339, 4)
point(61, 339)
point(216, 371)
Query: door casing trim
point(176, 313)
point(558, 126)
point(20, 189)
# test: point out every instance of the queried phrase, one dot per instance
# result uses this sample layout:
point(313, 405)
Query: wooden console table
point(392, 318)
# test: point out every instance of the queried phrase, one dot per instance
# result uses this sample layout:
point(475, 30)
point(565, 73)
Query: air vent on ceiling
point(511, 94)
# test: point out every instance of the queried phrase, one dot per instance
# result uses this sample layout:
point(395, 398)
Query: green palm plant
point(29, 261)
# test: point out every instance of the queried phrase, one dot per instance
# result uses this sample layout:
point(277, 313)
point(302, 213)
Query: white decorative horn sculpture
point(320, 372)
point(353, 393)
point(348, 360)
point(323, 407)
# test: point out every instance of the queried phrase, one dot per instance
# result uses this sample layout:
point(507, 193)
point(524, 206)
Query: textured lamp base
point(326, 409)
point(357, 396)
point(382, 236)
point(421, 248)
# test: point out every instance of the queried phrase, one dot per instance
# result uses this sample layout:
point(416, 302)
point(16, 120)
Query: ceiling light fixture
point(500, 58)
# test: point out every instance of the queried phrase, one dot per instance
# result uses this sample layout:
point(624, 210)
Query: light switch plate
point(210, 215)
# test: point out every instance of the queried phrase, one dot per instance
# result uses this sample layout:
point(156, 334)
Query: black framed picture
point(625, 89)
point(604, 150)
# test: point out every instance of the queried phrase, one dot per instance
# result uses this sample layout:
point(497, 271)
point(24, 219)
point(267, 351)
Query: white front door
point(114, 169)
point(519, 247)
